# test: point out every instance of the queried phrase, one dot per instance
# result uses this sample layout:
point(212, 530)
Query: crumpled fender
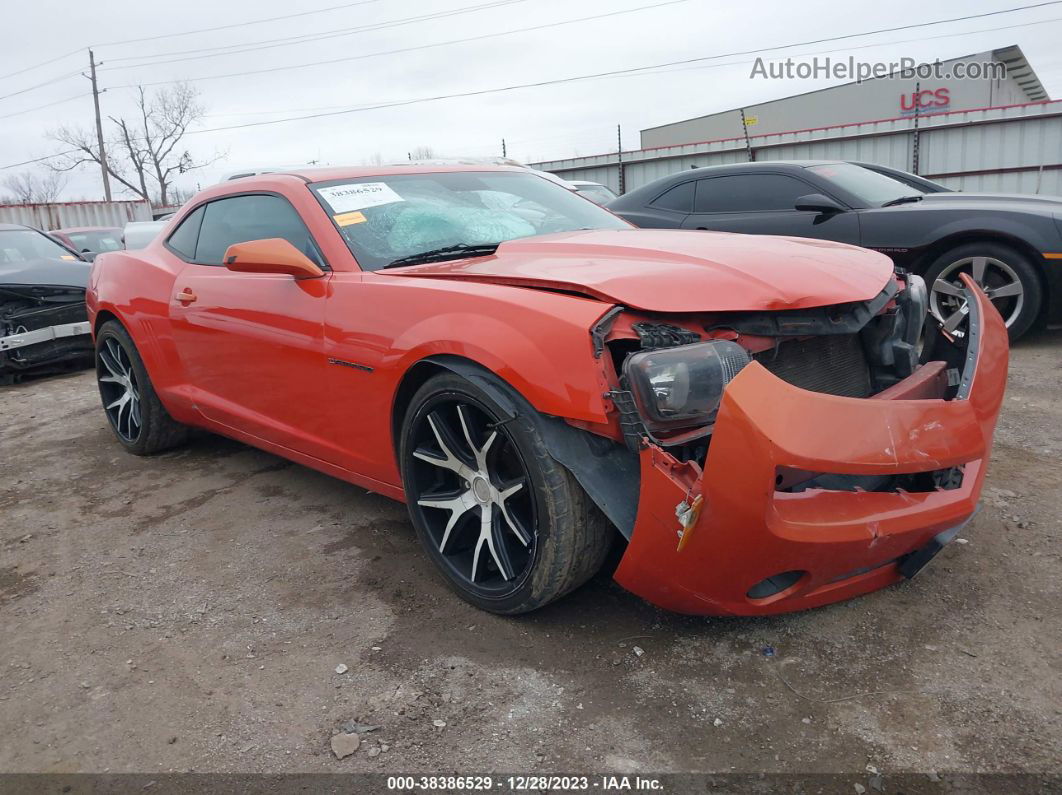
point(842, 543)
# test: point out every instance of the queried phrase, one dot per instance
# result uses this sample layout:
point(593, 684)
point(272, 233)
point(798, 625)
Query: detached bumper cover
point(829, 545)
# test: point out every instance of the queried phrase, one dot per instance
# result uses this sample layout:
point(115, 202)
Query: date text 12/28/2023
point(534, 783)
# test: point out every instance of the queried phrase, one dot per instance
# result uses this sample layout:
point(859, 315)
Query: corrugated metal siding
point(990, 149)
point(67, 214)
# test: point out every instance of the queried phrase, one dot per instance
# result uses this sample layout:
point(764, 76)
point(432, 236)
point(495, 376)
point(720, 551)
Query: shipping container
point(63, 215)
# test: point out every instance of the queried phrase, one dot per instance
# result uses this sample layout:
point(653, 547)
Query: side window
point(243, 218)
point(186, 234)
point(749, 192)
point(679, 198)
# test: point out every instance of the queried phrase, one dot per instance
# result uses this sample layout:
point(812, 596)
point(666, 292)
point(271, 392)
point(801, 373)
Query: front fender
point(536, 341)
point(556, 377)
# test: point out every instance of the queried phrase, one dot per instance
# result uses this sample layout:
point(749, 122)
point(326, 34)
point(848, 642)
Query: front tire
point(1008, 278)
point(509, 528)
point(136, 415)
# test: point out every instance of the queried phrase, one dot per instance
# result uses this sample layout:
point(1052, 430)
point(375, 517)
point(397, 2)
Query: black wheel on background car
point(134, 411)
point(509, 527)
point(1005, 274)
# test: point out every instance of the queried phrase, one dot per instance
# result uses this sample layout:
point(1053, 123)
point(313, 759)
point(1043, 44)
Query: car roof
point(284, 179)
point(68, 229)
point(767, 165)
point(10, 227)
point(357, 172)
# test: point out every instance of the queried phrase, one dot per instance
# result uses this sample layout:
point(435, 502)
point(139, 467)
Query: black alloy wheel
point(508, 527)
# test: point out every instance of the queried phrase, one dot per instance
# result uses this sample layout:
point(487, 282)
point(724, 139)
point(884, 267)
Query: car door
point(251, 344)
point(763, 204)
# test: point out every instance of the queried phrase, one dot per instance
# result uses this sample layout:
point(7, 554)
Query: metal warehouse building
point(999, 134)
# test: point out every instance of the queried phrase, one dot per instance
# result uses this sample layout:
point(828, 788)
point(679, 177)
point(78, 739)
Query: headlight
point(681, 387)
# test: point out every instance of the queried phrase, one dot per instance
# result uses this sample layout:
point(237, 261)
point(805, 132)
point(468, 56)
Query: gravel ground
point(189, 611)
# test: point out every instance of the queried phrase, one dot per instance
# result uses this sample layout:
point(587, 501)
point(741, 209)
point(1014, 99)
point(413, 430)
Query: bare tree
point(145, 153)
point(30, 188)
point(179, 196)
point(422, 153)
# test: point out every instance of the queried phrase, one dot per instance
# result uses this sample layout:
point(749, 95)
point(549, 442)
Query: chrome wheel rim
point(1000, 282)
point(471, 491)
point(119, 390)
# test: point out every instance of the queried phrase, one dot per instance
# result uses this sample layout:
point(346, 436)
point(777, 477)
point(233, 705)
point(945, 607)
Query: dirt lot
point(188, 612)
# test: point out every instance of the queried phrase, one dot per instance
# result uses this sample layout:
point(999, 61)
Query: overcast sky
point(554, 121)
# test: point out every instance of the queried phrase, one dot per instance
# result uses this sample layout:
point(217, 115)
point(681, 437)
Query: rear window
point(598, 194)
point(679, 198)
point(184, 237)
point(98, 242)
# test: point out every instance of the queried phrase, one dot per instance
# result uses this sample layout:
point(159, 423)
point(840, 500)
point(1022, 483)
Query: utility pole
point(745, 130)
point(99, 127)
point(915, 143)
point(504, 153)
point(619, 160)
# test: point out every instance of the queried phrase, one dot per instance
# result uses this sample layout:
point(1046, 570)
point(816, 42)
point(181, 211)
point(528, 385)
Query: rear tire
point(458, 448)
point(136, 415)
point(1008, 277)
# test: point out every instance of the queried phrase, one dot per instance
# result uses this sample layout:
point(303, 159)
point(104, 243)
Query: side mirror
point(817, 203)
point(273, 255)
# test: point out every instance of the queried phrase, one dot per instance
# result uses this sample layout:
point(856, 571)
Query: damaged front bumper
point(46, 334)
point(732, 540)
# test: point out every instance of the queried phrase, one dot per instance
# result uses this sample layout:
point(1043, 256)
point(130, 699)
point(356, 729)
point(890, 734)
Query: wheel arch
point(104, 316)
point(609, 472)
point(421, 371)
point(926, 259)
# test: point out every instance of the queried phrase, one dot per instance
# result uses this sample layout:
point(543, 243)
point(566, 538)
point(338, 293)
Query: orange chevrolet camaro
point(765, 424)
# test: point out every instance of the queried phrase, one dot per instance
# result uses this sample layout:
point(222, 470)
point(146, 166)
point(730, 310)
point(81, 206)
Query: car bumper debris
point(782, 515)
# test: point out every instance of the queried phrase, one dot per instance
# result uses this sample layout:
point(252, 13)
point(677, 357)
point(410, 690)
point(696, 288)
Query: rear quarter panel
point(135, 286)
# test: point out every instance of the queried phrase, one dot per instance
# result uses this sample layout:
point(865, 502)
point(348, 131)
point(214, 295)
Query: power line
point(577, 78)
point(597, 75)
point(866, 46)
point(234, 24)
point(42, 63)
point(39, 159)
point(41, 85)
point(302, 39)
point(287, 41)
point(48, 105)
point(414, 48)
point(490, 35)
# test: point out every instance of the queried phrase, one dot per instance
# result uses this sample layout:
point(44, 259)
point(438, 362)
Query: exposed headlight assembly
point(681, 387)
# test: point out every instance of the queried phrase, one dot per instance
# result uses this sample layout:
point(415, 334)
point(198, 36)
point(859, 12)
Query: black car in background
point(1012, 246)
point(43, 321)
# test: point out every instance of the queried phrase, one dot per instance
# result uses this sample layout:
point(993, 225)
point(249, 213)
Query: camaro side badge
point(355, 365)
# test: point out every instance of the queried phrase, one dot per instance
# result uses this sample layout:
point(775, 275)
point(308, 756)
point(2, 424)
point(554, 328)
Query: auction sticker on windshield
point(358, 196)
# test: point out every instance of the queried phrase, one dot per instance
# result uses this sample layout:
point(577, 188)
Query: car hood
point(51, 272)
point(1010, 201)
point(666, 270)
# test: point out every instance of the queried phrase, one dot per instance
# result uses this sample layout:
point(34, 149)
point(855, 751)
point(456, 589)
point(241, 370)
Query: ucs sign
point(925, 99)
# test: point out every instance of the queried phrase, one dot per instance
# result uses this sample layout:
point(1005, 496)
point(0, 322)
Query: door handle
point(186, 296)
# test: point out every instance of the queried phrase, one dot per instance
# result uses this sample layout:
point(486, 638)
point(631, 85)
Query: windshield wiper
point(445, 253)
point(903, 200)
